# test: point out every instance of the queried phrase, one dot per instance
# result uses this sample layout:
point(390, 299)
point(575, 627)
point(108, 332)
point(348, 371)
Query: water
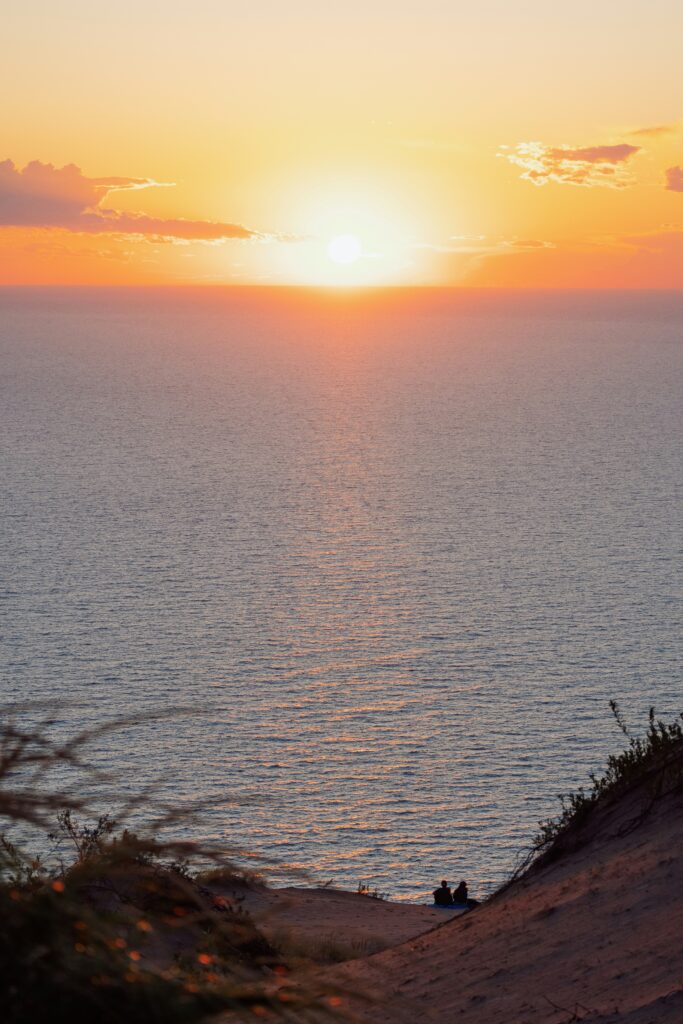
point(399, 551)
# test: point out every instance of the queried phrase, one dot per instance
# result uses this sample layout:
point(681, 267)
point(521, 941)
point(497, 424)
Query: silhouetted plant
point(124, 930)
point(87, 840)
point(375, 894)
point(654, 760)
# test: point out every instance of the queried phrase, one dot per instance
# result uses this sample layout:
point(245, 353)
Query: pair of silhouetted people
point(444, 897)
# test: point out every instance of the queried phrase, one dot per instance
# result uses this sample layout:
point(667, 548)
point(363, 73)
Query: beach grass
point(107, 924)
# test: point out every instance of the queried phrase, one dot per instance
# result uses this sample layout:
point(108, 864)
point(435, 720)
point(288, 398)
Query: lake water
point(398, 551)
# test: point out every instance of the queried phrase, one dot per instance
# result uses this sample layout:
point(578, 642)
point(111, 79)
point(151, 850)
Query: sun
point(347, 238)
point(344, 249)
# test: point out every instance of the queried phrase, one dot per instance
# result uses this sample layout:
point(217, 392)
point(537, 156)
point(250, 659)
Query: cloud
point(129, 184)
point(674, 179)
point(658, 129)
point(587, 166)
point(45, 196)
point(647, 260)
point(663, 243)
point(595, 154)
point(530, 243)
point(460, 244)
point(115, 222)
point(482, 245)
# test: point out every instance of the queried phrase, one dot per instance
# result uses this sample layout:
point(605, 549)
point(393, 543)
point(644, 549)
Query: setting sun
point(344, 249)
point(344, 350)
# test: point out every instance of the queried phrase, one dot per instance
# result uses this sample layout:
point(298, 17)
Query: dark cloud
point(42, 195)
point(594, 154)
point(115, 222)
point(674, 179)
point(587, 166)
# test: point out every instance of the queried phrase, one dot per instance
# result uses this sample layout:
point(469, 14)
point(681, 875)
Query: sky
point(507, 143)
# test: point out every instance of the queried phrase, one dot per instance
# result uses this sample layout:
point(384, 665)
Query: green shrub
point(654, 760)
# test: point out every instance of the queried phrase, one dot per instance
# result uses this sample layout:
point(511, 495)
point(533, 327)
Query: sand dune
point(595, 936)
point(326, 925)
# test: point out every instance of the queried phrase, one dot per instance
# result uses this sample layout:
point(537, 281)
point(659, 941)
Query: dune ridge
point(594, 935)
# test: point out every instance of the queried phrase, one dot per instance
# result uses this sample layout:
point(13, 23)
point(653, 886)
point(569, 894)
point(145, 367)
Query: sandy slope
point(325, 925)
point(597, 936)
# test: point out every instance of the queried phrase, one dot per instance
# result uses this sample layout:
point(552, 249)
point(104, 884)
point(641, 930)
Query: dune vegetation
point(115, 925)
point(653, 761)
point(110, 925)
point(588, 928)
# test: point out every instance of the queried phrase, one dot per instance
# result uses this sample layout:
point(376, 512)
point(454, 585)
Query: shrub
point(122, 929)
point(654, 760)
point(375, 894)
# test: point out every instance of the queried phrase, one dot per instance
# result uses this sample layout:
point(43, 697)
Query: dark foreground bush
point(123, 930)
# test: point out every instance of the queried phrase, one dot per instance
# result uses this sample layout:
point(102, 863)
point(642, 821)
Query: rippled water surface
point(398, 550)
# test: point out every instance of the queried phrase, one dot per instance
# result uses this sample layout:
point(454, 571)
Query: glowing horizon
point(223, 147)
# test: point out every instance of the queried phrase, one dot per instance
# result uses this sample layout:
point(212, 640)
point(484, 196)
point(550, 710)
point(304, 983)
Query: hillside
point(592, 931)
point(595, 935)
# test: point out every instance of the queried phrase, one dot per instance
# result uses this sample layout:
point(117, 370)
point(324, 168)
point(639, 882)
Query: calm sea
point(397, 550)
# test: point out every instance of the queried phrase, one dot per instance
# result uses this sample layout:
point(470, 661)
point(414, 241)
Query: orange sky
point(503, 144)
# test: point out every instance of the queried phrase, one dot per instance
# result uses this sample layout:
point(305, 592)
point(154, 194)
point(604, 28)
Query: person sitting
point(459, 894)
point(442, 895)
